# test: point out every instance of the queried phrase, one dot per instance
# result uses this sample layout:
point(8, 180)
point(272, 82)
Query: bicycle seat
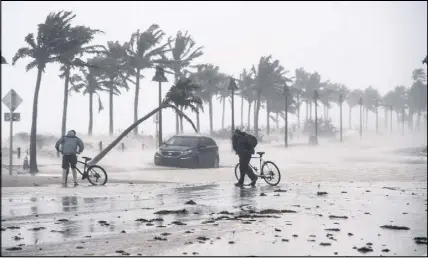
point(86, 158)
point(261, 153)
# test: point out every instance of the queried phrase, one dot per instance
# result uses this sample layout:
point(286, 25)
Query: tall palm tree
point(268, 75)
point(222, 95)
point(46, 48)
point(210, 79)
point(114, 64)
point(184, 52)
point(143, 49)
point(352, 101)
point(298, 89)
point(246, 90)
point(400, 101)
point(417, 96)
point(370, 98)
point(91, 85)
point(78, 38)
point(182, 94)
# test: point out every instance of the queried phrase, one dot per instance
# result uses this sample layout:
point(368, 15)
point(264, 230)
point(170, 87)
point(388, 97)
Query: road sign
point(12, 100)
point(16, 117)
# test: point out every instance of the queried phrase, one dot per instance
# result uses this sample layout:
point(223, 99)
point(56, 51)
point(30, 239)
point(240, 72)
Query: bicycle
point(91, 172)
point(265, 172)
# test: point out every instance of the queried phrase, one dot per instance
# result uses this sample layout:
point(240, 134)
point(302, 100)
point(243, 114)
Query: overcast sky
point(354, 43)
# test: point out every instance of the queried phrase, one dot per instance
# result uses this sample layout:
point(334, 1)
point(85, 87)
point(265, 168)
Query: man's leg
point(246, 159)
point(73, 162)
point(243, 166)
point(64, 166)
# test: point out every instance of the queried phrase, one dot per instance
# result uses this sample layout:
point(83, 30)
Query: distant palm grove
point(117, 66)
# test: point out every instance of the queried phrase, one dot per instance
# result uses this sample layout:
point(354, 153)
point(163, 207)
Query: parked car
point(188, 151)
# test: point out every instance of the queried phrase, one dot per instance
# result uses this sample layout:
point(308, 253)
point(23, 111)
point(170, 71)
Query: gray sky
point(354, 43)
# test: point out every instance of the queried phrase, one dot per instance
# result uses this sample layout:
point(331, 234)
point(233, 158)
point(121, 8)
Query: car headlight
point(158, 153)
point(188, 152)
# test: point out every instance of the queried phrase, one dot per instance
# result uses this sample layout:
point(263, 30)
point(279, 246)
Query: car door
point(203, 151)
point(212, 150)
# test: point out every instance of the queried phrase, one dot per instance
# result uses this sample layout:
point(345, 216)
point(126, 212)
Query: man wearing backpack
point(243, 144)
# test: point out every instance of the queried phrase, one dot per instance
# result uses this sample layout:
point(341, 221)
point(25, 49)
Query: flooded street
point(334, 199)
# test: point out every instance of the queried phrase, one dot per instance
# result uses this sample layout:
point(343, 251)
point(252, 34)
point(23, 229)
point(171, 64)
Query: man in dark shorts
point(70, 146)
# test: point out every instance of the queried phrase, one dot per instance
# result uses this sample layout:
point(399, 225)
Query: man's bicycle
point(95, 174)
point(269, 171)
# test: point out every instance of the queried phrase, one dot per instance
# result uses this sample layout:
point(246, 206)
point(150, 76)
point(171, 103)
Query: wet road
point(372, 186)
point(57, 221)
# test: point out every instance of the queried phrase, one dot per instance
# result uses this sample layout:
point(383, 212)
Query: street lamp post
point(286, 92)
point(360, 102)
point(160, 77)
point(340, 107)
point(232, 87)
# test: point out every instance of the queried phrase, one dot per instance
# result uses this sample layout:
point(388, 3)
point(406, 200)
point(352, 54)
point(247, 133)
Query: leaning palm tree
point(78, 39)
point(46, 48)
point(143, 49)
point(91, 85)
point(182, 94)
point(184, 52)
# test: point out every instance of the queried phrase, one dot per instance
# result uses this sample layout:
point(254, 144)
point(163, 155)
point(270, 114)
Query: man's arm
point(58, 143)
point(80, 145)
point(234, 142)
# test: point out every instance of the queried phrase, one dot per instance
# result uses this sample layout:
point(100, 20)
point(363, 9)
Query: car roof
point(192, 135)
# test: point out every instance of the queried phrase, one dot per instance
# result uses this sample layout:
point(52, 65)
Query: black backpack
point(251, 139)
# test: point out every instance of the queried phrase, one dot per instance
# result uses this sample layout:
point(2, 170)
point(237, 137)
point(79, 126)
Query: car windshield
point(183, 141)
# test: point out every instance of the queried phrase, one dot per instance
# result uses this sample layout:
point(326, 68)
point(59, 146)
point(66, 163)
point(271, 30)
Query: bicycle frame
point(261, 161)
point(78, 170)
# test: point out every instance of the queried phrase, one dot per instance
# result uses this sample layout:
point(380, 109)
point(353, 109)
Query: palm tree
point(143, 48)
point(91, 85)
point(417, 96)
point(209, 78)
point(223, 94)
point(184, 52)
point(370, 100)
point(298, 89)
point(388, 103)
point(400, 101)
point(182, 94)
point(46, 48)
point(246, 90)
point(268, 75)
point(116, 71)
point(352, 101)
point(78, 38)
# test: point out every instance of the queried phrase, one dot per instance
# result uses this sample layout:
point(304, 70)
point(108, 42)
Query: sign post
point(12, 100)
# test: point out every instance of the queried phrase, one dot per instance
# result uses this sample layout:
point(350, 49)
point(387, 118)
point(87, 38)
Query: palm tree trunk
point(256, 115)
point(111, 108)
point(33, 136)
point(350, 118)
point(410, 120)
point(310, 110)
point(222, 116)
point(242, 112)
point(386, 119)
point(210, 111)
point(267, 118)
point(105, 151)
point(65, 103)
point(136, 97)
point(181, 121)
point(307, 110)
point(418, 121)
point(177, 120)
point(91, 113)
point(298, 110)
point(249, 115)
point(367, 119)
point(197, 120)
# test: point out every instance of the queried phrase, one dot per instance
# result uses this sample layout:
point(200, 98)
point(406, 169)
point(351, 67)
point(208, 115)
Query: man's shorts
point(69, 160)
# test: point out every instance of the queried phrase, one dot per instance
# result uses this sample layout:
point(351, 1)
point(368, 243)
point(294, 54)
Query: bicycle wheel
point(247, 180)
point(271, 173)
point(96, 175)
